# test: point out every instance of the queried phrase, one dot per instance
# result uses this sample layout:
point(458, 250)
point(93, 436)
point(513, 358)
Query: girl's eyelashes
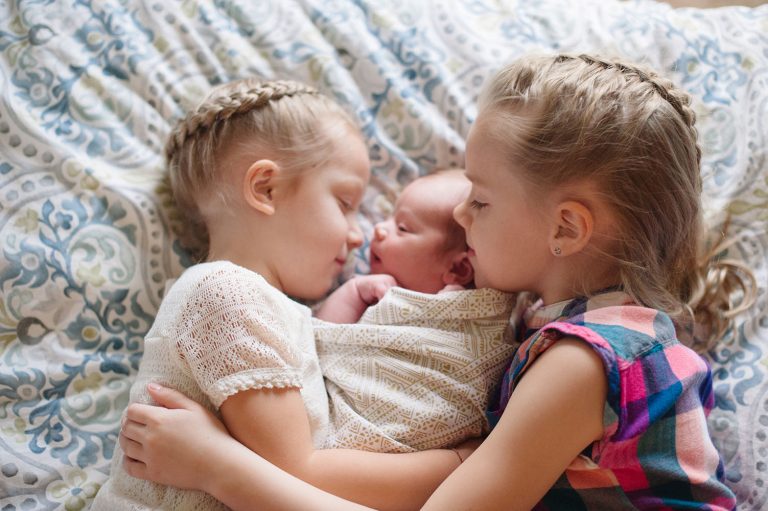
point(402, 228)
point(476, 204)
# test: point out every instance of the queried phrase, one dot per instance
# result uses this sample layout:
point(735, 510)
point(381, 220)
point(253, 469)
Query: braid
point(277, 119)
point(665, 88)
point(632, 134)
point(240, 101)
point(710, 282)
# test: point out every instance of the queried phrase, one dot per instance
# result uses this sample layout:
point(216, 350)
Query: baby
point(419, 247)
point(416, 371)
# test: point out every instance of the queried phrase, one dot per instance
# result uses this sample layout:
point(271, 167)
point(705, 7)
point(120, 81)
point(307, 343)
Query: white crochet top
point(221, 329)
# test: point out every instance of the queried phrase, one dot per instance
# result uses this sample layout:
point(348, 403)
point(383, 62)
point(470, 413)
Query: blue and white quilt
point(90, 88)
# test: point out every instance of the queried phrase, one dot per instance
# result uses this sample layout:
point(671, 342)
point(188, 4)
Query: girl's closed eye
point(476, 204)
point(402, 228)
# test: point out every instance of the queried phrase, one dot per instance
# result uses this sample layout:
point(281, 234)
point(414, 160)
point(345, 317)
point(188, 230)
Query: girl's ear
point(573, 228)
point(258, 183)
point(460, 272)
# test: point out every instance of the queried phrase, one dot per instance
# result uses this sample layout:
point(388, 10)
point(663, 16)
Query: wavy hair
point(631, 133)
point(283, 120)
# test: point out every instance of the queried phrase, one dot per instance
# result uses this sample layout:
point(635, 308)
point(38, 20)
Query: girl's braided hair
point(283, 120)
point(630, 132)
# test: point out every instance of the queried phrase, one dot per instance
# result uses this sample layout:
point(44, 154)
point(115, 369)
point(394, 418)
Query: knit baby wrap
point(415, 372)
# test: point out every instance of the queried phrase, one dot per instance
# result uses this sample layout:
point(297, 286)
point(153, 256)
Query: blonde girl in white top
point(269, 177)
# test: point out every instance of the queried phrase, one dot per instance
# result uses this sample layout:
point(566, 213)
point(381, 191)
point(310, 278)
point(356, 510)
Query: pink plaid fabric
point(656, 452)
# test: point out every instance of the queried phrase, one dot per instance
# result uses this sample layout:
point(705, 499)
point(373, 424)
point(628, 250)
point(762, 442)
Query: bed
point(89, 91)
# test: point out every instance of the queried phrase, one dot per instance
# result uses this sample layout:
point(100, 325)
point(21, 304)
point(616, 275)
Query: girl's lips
point(471, 252)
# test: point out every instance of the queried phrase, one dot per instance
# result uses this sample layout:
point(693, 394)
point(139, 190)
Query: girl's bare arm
point(273, 423)
point(185, 446)
point(554, 413)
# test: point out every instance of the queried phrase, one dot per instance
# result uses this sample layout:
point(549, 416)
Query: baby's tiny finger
point(381, 290)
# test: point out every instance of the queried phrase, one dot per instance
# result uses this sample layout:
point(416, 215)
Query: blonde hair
point(631, 133)
point(282, 120)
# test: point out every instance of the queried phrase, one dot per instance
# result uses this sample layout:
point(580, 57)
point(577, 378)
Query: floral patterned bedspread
point(90, 87)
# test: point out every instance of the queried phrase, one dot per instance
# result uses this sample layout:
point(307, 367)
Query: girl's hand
point(555, 411)
point(186, 446)
point(172, 444)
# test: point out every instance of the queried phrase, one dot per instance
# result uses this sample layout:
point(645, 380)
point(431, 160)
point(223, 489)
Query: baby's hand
point(452, 287)
point(371, 288)
point(349, 301)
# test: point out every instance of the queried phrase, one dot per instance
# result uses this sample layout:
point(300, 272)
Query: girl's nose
point(460, 214)
point(354, 236)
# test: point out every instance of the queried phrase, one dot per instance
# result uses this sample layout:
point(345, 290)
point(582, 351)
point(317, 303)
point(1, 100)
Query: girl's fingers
point(143, 414)
point(133, 431)
point(131, 448)
point(170, 398)
point(134, 468)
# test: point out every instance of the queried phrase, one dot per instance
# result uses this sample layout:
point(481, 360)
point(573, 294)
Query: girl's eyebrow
point(351, 185)
point(474, 178)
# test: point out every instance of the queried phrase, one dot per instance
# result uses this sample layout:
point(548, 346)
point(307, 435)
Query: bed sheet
point(90, 88)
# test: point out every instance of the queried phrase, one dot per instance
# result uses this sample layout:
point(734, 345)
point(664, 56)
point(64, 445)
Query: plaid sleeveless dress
point(656, 452)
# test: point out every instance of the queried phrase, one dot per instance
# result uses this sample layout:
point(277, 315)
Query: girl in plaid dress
point(586, 192)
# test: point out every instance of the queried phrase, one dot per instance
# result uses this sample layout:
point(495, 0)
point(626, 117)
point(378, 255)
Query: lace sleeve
point(234, 334)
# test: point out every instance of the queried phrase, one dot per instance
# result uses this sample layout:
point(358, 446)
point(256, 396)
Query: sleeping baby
point(416, 370)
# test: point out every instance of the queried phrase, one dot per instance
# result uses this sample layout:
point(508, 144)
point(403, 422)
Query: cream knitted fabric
point(221, 329)
point(416, 371)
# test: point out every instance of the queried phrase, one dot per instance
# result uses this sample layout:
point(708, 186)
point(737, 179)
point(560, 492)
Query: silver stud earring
point(557, 251)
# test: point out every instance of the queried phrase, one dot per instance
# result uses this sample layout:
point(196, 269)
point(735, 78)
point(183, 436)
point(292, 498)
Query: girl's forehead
point(486, 138)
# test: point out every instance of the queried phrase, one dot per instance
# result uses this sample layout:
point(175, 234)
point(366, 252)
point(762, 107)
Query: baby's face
point(412, 245)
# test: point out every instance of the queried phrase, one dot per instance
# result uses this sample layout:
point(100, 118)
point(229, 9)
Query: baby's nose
point(379, 232)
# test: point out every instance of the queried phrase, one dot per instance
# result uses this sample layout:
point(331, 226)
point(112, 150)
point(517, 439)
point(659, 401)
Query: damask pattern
point(89, 89)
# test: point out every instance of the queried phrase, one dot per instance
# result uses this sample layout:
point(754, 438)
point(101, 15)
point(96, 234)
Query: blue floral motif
point(99, 331)
point(36, 87)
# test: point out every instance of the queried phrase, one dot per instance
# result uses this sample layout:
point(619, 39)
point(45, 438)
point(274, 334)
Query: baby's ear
point(258, 183)
point(460, 272)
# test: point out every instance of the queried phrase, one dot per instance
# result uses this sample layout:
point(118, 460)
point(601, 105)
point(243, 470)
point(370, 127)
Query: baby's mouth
point(374, 257)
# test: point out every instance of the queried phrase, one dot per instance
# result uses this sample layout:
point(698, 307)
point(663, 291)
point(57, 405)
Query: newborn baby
point(415, 372)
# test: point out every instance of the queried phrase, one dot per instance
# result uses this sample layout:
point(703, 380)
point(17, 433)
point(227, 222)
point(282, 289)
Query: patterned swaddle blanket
point(416, 371)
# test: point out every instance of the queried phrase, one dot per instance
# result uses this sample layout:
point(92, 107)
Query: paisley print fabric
point(89, 89)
